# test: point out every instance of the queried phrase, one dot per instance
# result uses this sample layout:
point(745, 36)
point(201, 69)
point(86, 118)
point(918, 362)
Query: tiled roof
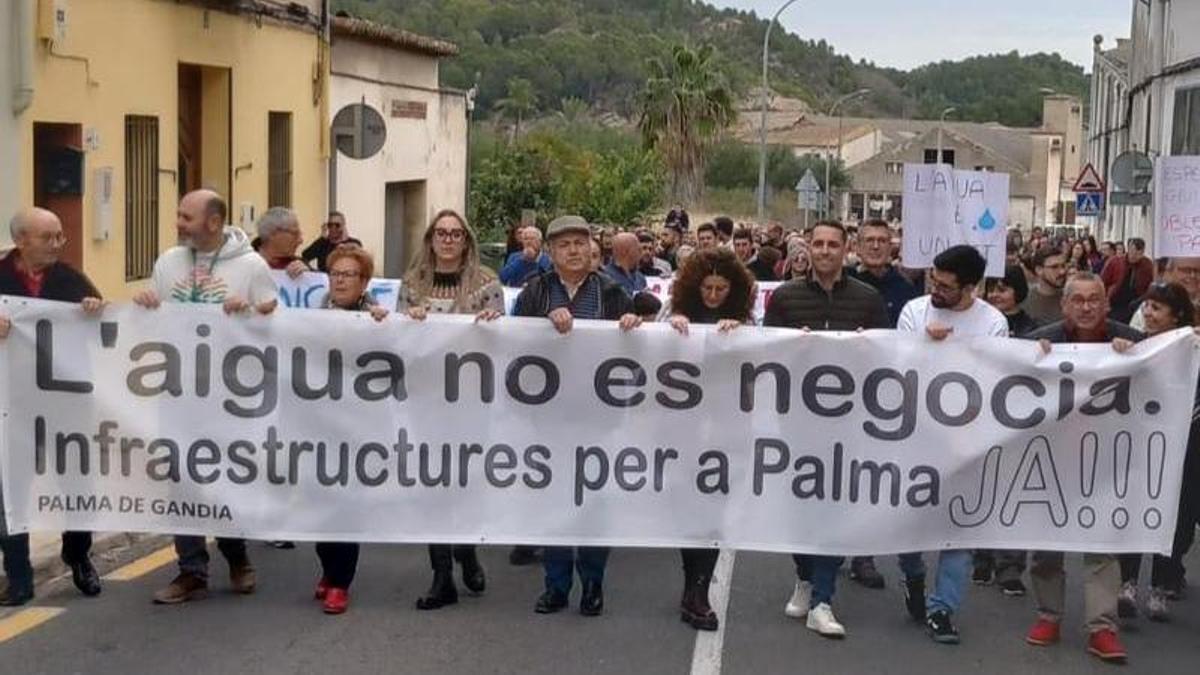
point(370, 31)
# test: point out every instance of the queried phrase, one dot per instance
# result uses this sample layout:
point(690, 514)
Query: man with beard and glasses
point(950, 309)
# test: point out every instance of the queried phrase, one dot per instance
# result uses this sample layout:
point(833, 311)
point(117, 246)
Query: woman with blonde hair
point(446, 278)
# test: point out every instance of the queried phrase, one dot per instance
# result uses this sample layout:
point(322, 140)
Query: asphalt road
point(280, 629)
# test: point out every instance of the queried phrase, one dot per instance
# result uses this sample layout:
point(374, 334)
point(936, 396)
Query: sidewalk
point(44, 549)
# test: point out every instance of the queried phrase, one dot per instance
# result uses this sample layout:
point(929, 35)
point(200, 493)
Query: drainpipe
point(23, 13)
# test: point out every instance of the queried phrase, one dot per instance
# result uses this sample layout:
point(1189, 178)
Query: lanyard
point(195, 294)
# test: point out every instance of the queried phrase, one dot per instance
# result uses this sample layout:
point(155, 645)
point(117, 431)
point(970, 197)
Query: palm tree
point(573, 111)
point(520, 102)
point(685, 105)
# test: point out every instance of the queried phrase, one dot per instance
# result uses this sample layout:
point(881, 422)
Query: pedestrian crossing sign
point(1089, 203)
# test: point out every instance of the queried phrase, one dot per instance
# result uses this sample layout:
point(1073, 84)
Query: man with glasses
point(875, 269)
point(278, 238)
point(1044, 303)
point(33, 270)
point(333, 234)
point(950, 309)
point(1085, 319)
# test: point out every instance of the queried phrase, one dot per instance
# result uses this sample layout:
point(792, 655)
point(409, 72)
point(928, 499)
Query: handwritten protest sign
point(1177, 207)
point(944, 207)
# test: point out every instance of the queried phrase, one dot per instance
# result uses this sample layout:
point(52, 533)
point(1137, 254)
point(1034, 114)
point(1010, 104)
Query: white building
point(1148, 91)
point(389, 197)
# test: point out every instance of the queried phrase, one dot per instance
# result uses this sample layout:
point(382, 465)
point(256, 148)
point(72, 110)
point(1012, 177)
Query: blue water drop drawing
point(986, 221)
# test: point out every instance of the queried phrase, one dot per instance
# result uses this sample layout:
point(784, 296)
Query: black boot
point(694, 608)
point(472, 572)
point(85, 577)
point(16, 594)
point(592, 602)
point(914, 598)
point(441, 593)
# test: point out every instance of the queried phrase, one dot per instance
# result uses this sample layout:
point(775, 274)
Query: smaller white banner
point(944, 207)
point(1177, 207)
point(308, 291)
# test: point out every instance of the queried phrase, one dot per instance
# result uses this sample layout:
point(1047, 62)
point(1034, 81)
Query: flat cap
point(565, 224)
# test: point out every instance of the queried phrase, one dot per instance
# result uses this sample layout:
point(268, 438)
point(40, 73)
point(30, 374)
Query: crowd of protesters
point(1056, 288)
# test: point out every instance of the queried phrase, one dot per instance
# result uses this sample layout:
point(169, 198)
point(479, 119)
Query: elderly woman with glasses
point(447, 278)
point(350, 270)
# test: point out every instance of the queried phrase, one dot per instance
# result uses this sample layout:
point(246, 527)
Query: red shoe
point(322, 589)
point(1104, 644)
point(1044, 632)
point(336, 601)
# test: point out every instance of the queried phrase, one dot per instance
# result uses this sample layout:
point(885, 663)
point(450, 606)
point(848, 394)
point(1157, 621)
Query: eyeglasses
point(936, 285)
point(52, 238)
point(344, 276)
point(449, 235)
point(1086, 302)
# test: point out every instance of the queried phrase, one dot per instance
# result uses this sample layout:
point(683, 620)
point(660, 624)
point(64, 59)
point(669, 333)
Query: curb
point(108, 549)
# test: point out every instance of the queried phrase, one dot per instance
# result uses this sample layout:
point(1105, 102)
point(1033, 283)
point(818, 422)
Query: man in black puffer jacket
point(825, 300)
point(34, 271)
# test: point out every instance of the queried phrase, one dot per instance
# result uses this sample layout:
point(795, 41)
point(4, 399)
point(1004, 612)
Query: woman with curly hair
point(446, 278)
point(712, 287)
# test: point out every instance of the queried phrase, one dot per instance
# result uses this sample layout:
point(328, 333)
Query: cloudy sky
point(908, 33)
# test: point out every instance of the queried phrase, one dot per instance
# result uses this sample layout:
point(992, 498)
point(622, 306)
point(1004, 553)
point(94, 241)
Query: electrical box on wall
point(52, 19)
point(246, 219)
point(102, 203)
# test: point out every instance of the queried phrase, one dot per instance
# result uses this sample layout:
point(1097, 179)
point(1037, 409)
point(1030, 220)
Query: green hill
point(596, 50)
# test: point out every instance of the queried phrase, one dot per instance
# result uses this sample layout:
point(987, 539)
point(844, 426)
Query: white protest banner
point(661, 288)
point(1176, 207)
point(326, 425)
point(944, 207)
point(309, 290)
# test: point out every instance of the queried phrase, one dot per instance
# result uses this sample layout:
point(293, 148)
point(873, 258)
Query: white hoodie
point(183, 274)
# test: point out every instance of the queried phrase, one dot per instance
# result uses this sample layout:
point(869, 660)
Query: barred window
point(279, 151)
point(141, 196)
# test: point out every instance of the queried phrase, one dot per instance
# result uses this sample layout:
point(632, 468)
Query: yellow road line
point(144, 565)
point(26, 619)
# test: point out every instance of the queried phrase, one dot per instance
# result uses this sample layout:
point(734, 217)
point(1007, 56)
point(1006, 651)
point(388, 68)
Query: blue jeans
point(954, 569)
point(558, 562)
point(821, 571)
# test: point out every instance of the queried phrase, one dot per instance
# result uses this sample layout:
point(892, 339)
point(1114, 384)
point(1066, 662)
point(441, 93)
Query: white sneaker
point(1156, 605)
point(822, 621)
point(797, 606)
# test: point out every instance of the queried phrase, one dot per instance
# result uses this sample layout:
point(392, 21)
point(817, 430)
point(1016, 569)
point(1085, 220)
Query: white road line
point(706, 657)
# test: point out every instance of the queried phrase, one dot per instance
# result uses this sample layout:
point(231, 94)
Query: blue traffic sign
point(1089, 203)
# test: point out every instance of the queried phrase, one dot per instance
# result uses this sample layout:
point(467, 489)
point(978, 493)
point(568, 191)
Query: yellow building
point(123, 105)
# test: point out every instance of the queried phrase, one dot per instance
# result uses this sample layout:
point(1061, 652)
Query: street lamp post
point(829, 155)
point(762, 127)
point(942, 121)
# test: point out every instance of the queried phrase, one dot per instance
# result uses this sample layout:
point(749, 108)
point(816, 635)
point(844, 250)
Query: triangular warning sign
point(1089, 181)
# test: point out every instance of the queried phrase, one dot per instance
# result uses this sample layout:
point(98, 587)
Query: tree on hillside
point(519, 104)
point(685, 105)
